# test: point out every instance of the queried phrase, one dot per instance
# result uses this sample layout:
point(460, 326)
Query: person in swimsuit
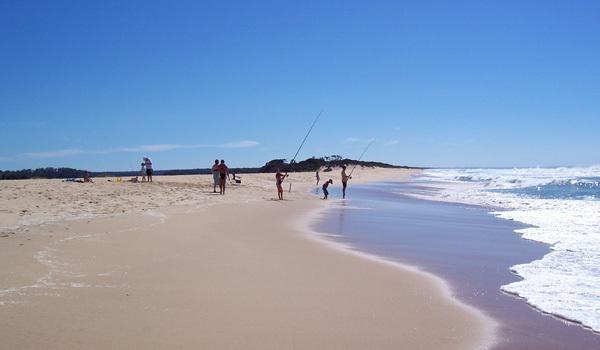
point(223, 175)
point(143, 172)
point(279, 177)
point(345, 179)
point(325, 185)
point(216, 175)
point(318, 177)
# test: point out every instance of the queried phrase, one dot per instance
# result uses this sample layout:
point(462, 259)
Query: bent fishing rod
point(360, 158)
point(304, 141)
point(306, 136)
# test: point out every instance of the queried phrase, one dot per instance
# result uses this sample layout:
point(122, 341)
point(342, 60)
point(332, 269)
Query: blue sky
point(98, 85)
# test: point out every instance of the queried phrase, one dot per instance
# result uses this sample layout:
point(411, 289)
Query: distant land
point(310, 164)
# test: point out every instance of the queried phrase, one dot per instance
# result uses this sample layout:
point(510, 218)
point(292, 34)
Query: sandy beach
point(172, 265)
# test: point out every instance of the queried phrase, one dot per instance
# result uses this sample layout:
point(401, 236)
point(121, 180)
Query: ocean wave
point(562, 207)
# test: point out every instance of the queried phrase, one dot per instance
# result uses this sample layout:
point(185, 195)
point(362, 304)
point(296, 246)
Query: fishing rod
point(303, 141)
point(360, 158)
point(305, 137)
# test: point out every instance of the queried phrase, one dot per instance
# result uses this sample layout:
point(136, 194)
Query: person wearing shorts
point(216, 175)
point(325, 185)
point(148, 164)
point(223, 175)
point(345, 179)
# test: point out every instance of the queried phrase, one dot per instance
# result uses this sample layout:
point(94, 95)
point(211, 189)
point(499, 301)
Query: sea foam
point(562, 205)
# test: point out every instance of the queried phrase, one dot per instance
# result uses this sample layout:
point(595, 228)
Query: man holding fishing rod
point(280, 194)
point(345, 179)
point(279, 177)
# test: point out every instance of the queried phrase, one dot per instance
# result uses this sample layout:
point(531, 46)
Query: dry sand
point(171, 265)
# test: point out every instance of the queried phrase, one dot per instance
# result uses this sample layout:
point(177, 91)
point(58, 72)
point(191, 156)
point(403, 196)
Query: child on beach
point(279, 177)
point(325, 185)
point(143, 172)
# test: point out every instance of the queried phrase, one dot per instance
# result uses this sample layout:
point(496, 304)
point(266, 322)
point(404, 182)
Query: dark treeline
point(42, 173)
point(313, 164)
point(310, 164)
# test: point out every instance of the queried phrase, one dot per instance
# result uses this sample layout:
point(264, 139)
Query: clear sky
point(99, 84)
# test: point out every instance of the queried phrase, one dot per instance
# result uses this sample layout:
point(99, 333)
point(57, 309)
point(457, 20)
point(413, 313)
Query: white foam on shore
point(565, 282)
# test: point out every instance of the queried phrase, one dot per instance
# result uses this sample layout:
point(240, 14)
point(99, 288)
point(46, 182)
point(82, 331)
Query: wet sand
point(464, 244)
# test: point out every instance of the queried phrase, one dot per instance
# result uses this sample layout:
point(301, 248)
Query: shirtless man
point(345, 179)
point(223, 174)
point(279, 177)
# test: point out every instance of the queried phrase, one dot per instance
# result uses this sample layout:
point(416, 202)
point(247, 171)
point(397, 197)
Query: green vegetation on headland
point(310, 164)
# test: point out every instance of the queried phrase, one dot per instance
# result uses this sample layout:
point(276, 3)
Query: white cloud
point(54, 154)
point(239, 144)
point(358, 140)
point(161, 147)
point(147, 148)
point(392, 142)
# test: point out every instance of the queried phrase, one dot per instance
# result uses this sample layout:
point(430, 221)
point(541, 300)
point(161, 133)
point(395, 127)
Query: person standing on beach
point(149, 171)
point(279, 177)
point(318, 177)
point(143, 172)
point(345, 179)
point(216, 175)
point(223, 175)
point(325, 185)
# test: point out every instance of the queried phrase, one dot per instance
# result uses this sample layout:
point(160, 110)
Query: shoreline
point(308, 225)
point(468, 247)
point(497, 212)
point(297, 290)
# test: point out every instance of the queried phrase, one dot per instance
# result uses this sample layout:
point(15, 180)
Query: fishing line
point(303, 141)
point(305, 137)
point(360, 158)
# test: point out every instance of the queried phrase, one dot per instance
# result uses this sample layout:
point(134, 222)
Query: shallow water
point(465, 245)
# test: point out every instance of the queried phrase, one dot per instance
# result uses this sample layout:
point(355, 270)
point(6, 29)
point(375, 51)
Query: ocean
point(562, 207)
point(523, 245)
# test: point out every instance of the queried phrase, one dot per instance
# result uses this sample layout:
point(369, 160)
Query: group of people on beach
point(220, 173)
point(345, 179)
point(146, 170)
point(279, 177)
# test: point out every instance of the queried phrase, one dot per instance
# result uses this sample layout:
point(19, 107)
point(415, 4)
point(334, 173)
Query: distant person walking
point(325, 185)
point(149, 170)
point(279, 177)
point(216, 176)
point(143, 172)
point(223, 175)
point(345, 179)
point(318, 177)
